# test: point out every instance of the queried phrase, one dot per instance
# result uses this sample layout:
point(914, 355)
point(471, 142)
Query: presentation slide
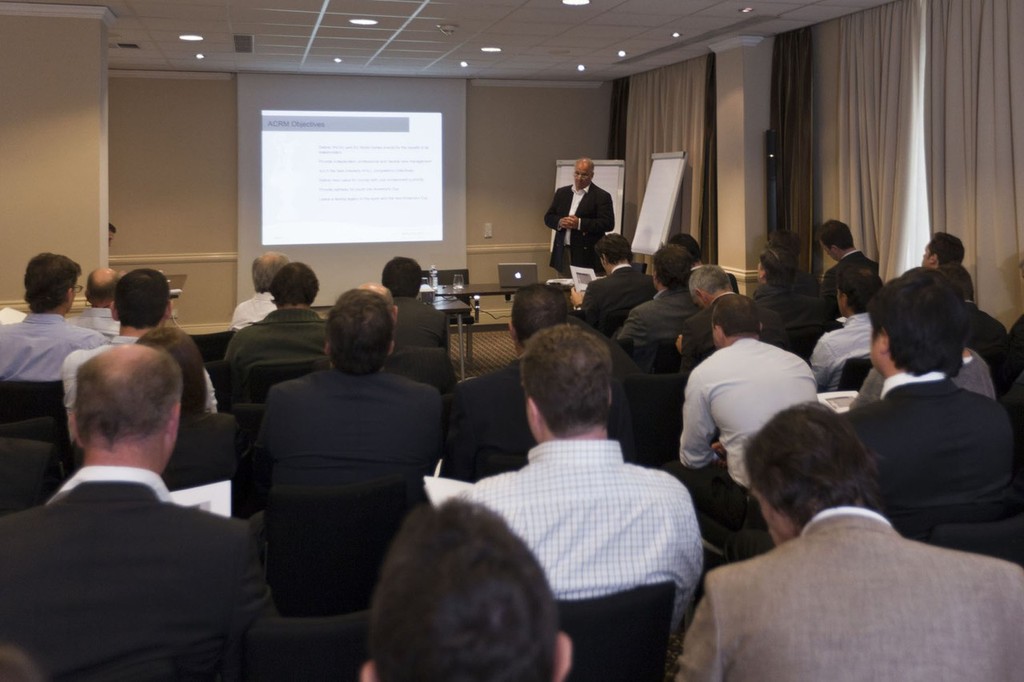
point(347, 177)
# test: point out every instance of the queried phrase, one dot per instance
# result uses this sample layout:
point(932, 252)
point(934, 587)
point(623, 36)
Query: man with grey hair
point(262, 303)
point(99, 292)
point(147, 589)
point(695, 343)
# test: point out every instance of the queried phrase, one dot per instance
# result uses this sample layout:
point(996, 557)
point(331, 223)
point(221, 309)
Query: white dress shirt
point(114, 474)
point(253, 310)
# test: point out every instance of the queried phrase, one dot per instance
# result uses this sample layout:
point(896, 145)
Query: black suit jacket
point(797, 311)
point(828, 280)
point(419, 325)
point(597, 216)
point(489, 417)
point(205, 451)
point(110, 579)
point(430, 366)
point(620, 291)
point(945, 455)
point(698, 342)
point(987, 337)
point(331, 428)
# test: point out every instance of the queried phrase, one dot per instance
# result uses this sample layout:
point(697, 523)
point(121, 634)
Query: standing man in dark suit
point(110, 580)
point(837, 241)
point(945, 455)
point(579, 214)
point(622, 290)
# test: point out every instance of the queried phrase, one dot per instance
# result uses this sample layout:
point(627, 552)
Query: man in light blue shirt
point(855, 287)
point(34, 349)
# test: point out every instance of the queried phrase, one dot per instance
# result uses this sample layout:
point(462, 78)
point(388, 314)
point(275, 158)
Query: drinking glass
point(458, 281)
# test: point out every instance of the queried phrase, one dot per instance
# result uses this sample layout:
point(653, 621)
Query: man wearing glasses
point(580, 214)
point(34, 349)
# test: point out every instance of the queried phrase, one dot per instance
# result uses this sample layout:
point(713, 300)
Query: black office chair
point(802, 340)
point(311, 649)
point(1001, 539)
point(656, 406)
point(21, 400)
point(622, 636)
point(213, 346)
point(612, 322)
point(855, 371)
point(23, 473)
point(492, 464)
point(263, 375)
point(666, 358)
point(325, 544)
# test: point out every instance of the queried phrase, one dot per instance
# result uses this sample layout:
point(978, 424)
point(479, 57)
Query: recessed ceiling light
point(190, 37)
point(575, 2)
point(363, 22)
point(490, 49)
point(200, 56)
point(581, 68)
point(676, 34)
point(337, 60)
point(622, 53)
point(463, 64)
point(746, 10)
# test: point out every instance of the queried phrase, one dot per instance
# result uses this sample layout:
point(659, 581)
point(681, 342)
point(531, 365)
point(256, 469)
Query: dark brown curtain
point(617, 130)
point(792, 119)
point(709, 179)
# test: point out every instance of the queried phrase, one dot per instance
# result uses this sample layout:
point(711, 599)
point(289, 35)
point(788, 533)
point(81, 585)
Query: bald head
point(127, 407)
point(378, 289)
point(99, 288)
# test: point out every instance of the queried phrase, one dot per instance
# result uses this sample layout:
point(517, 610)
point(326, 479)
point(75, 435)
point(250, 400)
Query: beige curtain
point(881, 169)
point(665, 114)
point(975, 140)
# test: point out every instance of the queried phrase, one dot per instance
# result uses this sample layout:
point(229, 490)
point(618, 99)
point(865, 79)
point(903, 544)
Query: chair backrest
point(622, 636)
point(325, 544)
point(220, 377)
point(494, 463)
point(656, 406)
point(1002, 539)
point(639, 267)
point(666, 358)
point(23, 466)
point(332, 648)
point(802, 340)
point(21, 400)
point(611, 322)
point(855, 371)
point(213, 346)
point(263, 375)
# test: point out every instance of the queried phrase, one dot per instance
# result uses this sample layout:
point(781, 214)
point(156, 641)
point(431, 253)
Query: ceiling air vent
point(127, 46)
point(243, 43)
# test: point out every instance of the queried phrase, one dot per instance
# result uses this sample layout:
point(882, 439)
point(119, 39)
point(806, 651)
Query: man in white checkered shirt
point(596, 524)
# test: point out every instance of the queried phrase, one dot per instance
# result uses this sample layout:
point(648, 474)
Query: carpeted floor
point(492, 349)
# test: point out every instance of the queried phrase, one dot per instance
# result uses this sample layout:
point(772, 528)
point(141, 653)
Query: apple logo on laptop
point(519, 275)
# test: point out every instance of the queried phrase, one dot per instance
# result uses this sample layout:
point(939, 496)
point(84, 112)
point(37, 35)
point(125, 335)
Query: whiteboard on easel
point(609, 175)
point(661, 199)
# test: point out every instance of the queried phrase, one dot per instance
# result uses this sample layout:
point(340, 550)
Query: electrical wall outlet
point(488, 231)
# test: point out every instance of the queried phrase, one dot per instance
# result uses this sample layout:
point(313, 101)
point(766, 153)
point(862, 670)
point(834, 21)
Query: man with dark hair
point(803, 316)
point(729, 397)
point(418, 324)
point(596, 524)
point(943, 249)
point(147, 589)
point(856, 286)
point(262, 303)
point(142, 301)
point(579, 214)
point(622, 290)
point(294, 332)
point(804, 283)
point(843, 597)
point(99, 293)
point(661, 318)
point(696, 342)
point(945, 454)
point(461, 597)
point(33, 349)
point(353, 423)
point(987, 335)
point(489, 412)
point(837, 242)
point(692, 247)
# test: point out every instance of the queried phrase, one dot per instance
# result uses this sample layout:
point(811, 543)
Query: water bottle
point(433, 277)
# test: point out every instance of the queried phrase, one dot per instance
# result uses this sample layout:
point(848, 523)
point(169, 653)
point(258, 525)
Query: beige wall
point(173, 179)
point(173, 187)
point(53, 143)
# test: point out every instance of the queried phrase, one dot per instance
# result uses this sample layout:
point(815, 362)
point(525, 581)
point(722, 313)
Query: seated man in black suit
point(489, 412)
point(112, 581)
point(461, 597)
point(987, 335)
point(804, 283)
point(692, 247)
point(943, 249)
point(803, 316)
point(418, 324)
point(695, 343)
point(622, 290)
point(837, 242)
point(945, 455)
point(354, 423)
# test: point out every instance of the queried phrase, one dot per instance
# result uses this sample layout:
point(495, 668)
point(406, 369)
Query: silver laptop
point(515, 275)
